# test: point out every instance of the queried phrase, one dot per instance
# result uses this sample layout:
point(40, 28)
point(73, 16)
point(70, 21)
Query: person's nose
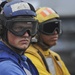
point(26, 34)
point(55, 32)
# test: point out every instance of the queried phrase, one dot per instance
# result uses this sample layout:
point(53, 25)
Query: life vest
point(57, 66)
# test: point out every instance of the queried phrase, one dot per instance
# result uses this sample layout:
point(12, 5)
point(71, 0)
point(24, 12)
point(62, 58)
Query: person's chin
point(24, 47)
point(53, 44)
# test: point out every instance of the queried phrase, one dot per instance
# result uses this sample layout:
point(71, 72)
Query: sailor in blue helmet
point(17, 27)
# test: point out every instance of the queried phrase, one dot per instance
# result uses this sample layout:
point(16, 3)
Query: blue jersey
point(12, 63)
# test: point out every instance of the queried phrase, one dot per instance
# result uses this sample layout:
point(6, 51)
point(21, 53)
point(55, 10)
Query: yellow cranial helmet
point(45, 13)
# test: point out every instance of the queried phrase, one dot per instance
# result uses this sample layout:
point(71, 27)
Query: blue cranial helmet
point(18, 7)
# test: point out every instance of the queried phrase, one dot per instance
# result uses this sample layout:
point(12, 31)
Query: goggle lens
point(20, 26)
point(49, 27)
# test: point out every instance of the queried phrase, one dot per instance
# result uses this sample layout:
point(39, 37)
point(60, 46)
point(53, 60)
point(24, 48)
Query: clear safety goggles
point(20, 26)
point(50, 27)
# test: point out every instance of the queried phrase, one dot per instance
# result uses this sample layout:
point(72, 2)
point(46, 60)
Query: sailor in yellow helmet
point(47, 61)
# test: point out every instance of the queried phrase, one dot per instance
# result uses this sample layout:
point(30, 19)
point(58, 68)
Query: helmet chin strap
point(42, 44)
point(17, 50)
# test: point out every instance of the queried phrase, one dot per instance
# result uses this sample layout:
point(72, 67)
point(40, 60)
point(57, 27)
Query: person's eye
point(17, 29)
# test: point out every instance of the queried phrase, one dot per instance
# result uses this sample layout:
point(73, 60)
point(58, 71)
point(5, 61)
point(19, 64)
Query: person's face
point(50, 40)
point(21, 42)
